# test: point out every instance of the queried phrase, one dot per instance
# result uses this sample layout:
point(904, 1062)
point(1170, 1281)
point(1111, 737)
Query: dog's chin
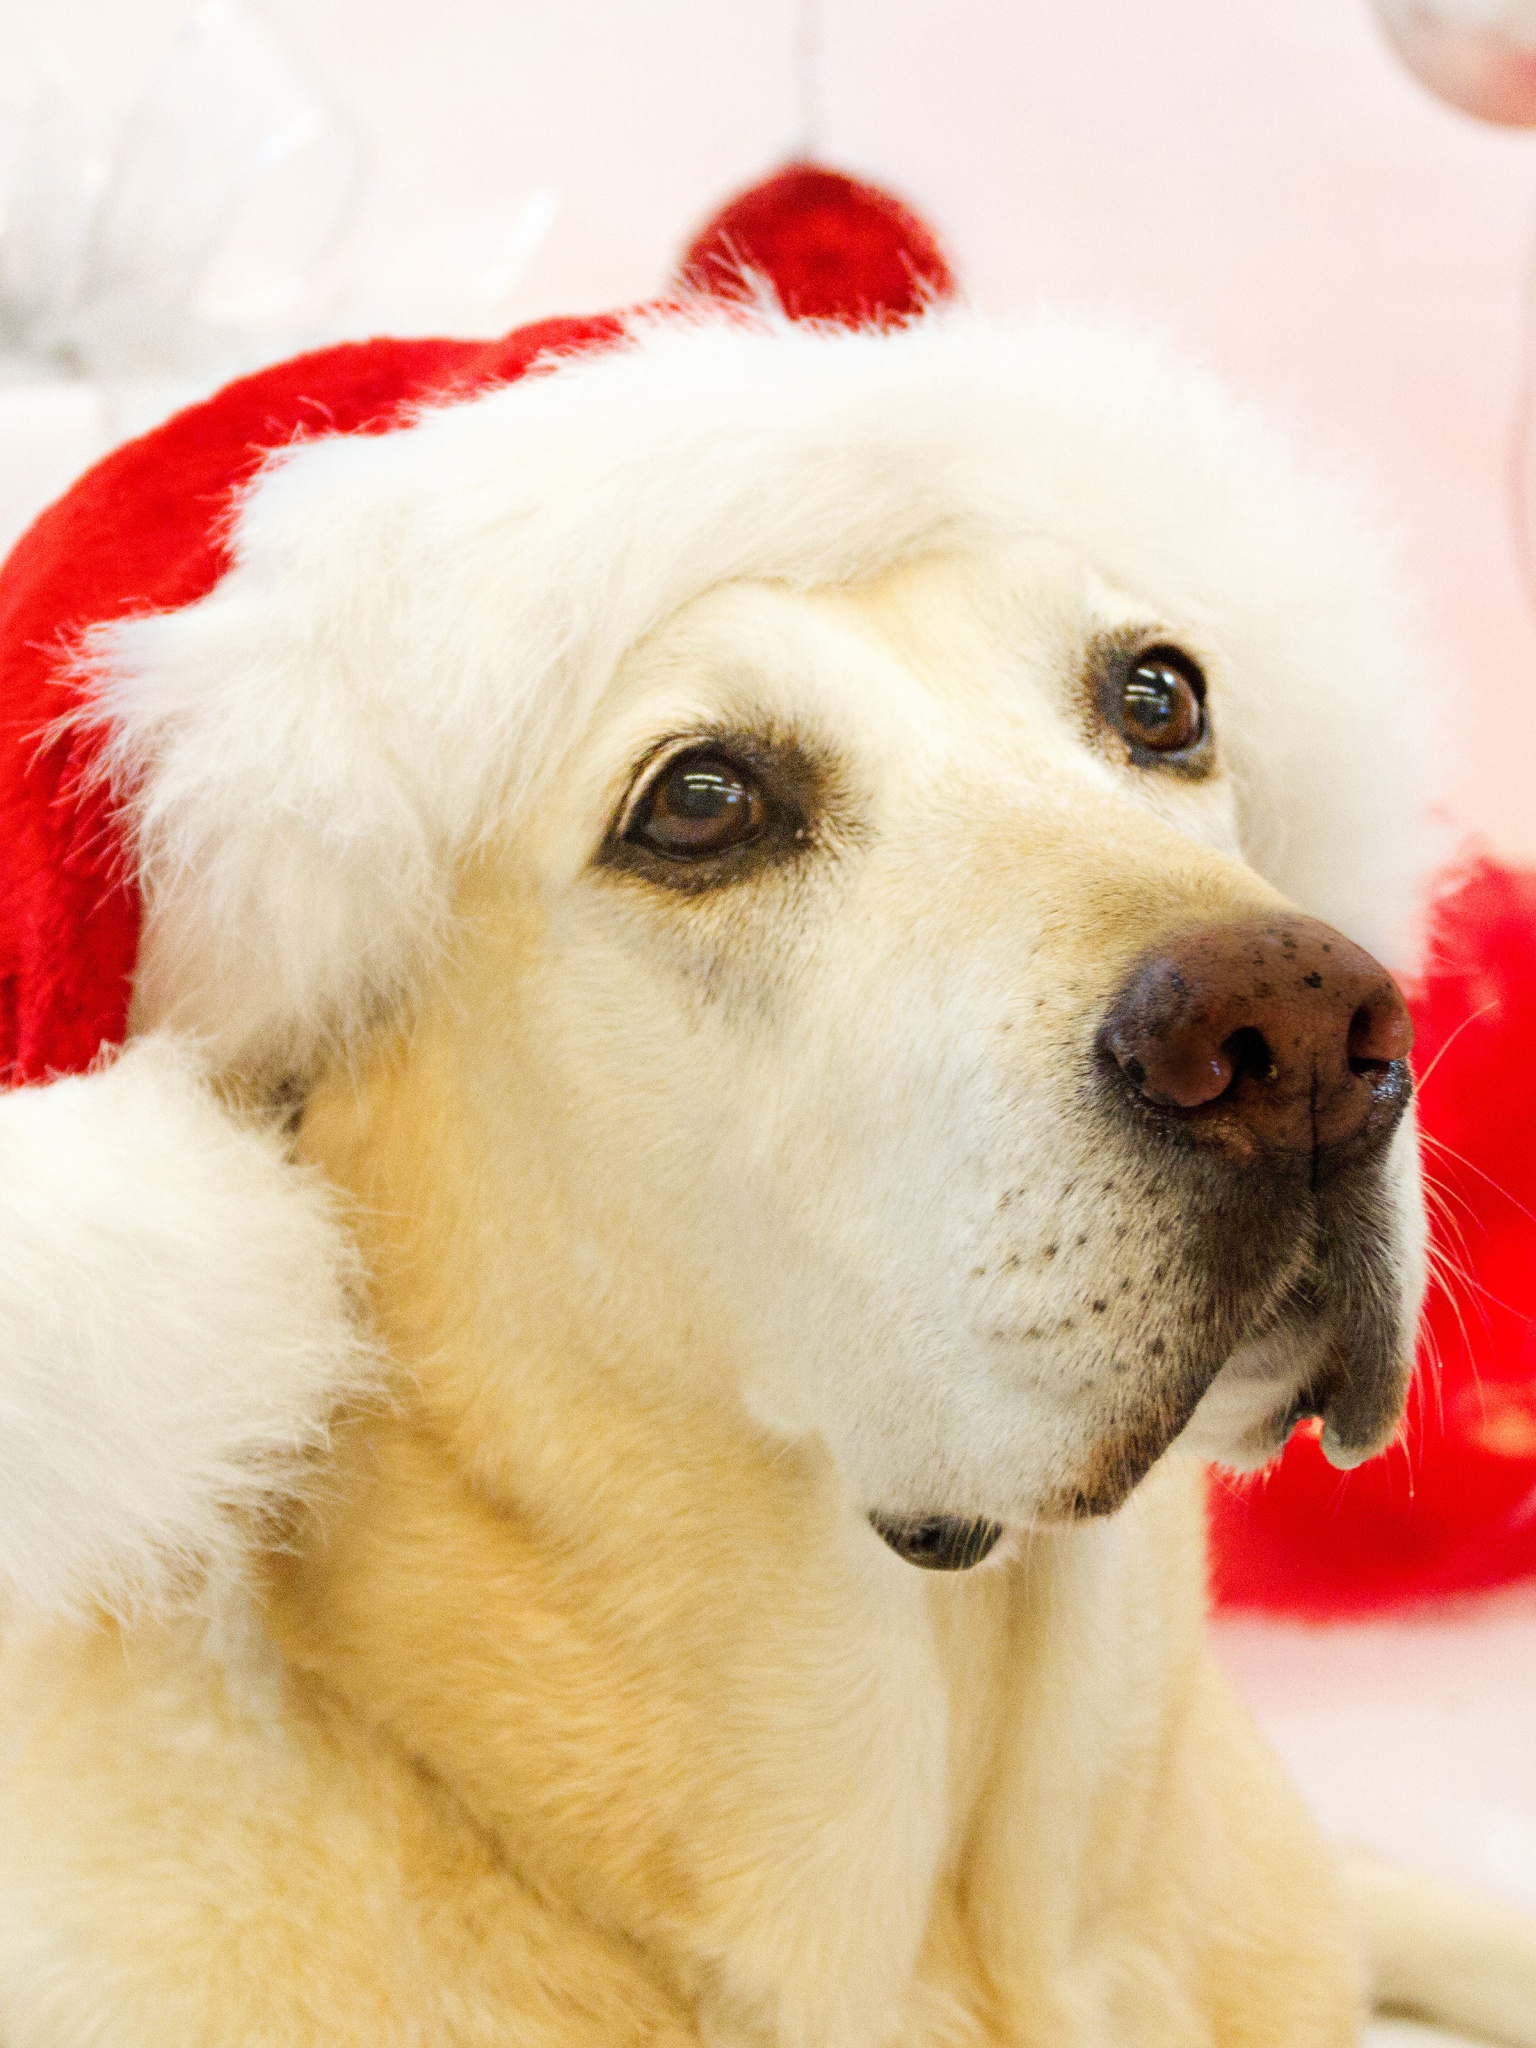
point(1303, 1371)
point(1344, 1367)
point(939, 1543)
point(1247, 1414)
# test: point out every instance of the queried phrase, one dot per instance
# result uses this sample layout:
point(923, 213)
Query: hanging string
point(808, 135)
point(1520, 453)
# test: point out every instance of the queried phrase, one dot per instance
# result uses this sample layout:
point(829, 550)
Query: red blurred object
point(833, 249)
point(1453, 1509)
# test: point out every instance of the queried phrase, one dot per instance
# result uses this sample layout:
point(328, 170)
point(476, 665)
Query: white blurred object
point(192, 236)
point(1413, 1736)
point(218, 225)
point(232, 181)
point(1477, 55)
point(461, 276)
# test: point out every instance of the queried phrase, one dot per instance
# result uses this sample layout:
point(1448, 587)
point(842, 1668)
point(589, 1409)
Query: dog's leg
point(1441, 1954)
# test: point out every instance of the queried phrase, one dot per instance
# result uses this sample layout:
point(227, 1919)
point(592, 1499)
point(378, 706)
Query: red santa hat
point(270, 673)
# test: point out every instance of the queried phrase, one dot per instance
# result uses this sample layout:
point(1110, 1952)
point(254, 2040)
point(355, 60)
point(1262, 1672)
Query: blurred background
point(188, 191)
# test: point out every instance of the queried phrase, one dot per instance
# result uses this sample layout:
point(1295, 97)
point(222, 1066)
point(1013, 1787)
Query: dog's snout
point(1264, 1038)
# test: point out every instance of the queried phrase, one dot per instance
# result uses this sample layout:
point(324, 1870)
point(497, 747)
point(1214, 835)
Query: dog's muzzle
point(1273, 1056)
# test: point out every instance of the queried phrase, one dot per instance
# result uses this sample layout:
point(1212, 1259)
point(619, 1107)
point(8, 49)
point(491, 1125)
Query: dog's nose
point(1275, 1037)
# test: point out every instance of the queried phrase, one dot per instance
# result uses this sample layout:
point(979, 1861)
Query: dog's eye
point(1162, 702)
point(700, 804)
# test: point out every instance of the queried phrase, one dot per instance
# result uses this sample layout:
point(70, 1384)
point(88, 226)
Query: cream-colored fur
point(585, 1706)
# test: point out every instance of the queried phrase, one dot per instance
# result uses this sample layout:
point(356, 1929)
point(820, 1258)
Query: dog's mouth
point(1333, 1347)
point(938, 1543)
point(1346, 1375)
point(1319, 1329)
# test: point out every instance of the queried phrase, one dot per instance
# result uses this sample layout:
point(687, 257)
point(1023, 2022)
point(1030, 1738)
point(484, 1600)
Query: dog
point(841, 1076)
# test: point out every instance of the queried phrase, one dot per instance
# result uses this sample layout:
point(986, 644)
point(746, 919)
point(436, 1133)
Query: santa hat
point(270, 673)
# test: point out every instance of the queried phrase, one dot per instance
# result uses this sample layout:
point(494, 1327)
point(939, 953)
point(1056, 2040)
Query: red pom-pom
point(832, 248)
point(1454, 1508)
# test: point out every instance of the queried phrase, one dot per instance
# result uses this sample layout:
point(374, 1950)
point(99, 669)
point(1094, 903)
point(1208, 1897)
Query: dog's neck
point(657, 1652)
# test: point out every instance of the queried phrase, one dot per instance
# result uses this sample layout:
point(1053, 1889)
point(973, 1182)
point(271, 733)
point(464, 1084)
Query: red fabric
point(834, 249)
point(1454, 1508)
point(144, 531)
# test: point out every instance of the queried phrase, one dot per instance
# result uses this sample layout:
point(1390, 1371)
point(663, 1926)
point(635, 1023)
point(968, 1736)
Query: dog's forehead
point(1021, 612)
point(947, 642)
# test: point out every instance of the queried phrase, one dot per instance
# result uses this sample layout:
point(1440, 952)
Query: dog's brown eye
point(1162, 705)
point(700, 804)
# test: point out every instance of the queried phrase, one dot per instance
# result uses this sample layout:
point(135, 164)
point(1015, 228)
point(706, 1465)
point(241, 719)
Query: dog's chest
point(860, 1933)
point(976, 1820)
point(787, 1767)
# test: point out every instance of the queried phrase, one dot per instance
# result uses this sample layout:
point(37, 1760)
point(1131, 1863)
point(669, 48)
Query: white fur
point(418, 623)
point(174, 1327)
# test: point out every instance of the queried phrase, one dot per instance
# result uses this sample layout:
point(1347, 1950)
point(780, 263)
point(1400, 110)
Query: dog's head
point(904, 993)
point(892, 833)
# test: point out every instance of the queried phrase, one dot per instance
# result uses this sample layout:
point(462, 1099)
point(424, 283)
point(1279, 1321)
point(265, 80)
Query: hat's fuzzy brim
point(176, 1326)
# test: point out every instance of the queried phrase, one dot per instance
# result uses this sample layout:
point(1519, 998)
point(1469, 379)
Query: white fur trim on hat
point(417, 623)
point(175, 1327)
